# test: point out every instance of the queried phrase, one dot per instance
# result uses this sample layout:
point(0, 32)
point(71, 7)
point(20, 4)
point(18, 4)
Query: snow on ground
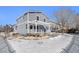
point(74, 45)
point(51, 45)
point(4, 46)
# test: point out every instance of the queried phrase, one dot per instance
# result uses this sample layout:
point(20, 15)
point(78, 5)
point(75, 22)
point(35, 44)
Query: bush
point(72, 30)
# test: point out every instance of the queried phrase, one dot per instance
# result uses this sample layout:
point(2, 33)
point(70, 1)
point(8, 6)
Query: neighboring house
point(33, 22)
point(54, 26)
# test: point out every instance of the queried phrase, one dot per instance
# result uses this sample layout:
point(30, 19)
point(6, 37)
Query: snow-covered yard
point(51, 45)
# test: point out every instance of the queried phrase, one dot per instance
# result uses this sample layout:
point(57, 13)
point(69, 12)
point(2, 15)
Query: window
point(44, 20)
point(23, 17)
point(30, 26)
point(26, 26)
point(37, 27)
point(16, 27)
point(37, 17)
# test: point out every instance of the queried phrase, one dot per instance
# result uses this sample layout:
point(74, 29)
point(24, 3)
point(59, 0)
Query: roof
point(34, 12)
point(29, 12)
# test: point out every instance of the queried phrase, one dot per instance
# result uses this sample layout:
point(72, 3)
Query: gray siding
point(22, 29)
point(21, 25)
point(33, 16)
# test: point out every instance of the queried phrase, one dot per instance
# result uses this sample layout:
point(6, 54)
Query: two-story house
point(33, 22)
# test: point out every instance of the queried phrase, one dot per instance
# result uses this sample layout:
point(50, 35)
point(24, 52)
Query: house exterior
point(33, 22)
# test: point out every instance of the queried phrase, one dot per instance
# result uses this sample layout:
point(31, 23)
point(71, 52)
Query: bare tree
point(11, 28)
point(6, 29)
point(77, 21)
point(63, 16)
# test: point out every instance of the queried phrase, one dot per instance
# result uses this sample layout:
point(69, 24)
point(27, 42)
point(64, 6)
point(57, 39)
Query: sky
point(9, 14)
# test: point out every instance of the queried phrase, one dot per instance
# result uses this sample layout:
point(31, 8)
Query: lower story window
point(31, 27)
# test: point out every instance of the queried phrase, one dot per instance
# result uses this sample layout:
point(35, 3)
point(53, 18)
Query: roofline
point(36, 12)
point(28, 12)
point(53, 22)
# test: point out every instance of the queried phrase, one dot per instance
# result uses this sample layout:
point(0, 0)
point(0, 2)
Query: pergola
point(36, 23)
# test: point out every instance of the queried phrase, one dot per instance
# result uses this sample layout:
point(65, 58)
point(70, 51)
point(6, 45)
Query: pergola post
point(33, 28)
point(36, 27)
point(28, 23)
point(49, 28)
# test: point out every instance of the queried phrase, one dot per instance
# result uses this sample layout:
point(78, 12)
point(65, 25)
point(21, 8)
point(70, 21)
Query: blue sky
point(8, 14)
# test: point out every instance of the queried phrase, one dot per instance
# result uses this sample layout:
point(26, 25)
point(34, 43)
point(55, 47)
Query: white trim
point(39, 22)
point(28, 23)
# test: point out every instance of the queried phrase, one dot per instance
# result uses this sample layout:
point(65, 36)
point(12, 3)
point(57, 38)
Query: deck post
point(49, 28)
point(33, 29)
point(36, 26)
point(28, 23)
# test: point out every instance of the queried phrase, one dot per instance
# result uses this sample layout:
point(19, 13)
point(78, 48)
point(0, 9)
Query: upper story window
point(44, 20)
point(26, 26)
point(37, 18)
point(23, 17)
point(16, 27)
